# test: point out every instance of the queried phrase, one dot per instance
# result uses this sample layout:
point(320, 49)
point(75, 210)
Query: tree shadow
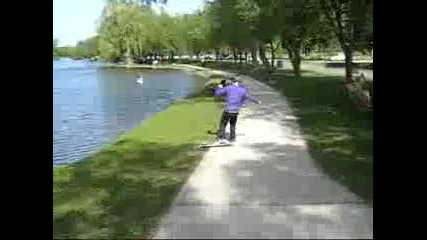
point(339, 135)
point(122, 191)
point(282, 192)
point(279, 195)
point(311, 204)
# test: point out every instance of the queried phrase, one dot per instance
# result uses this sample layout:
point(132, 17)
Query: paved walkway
point(266, 186)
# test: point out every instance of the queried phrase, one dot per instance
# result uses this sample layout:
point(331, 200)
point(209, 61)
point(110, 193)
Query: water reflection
point(93, 105)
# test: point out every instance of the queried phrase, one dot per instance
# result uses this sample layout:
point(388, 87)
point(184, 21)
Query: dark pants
point(225, 118)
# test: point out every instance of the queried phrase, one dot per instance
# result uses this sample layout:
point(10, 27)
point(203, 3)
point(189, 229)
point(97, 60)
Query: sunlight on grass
point(121, 191)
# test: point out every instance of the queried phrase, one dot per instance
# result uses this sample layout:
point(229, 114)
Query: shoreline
point(272, 152)
point(209, 74)
point(192, 69)
point(136, 175)
point(141, 171)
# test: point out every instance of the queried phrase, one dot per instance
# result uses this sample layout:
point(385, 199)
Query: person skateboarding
point(235, 96)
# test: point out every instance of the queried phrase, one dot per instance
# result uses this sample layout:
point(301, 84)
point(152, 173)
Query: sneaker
point(223, 141)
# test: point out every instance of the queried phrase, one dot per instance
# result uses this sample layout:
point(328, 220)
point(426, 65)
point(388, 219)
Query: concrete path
point(266, 186)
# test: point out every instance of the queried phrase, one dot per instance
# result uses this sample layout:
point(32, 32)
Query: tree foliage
point(131, 29)
point(73, 52)
point(351, 22)
point(90, 46)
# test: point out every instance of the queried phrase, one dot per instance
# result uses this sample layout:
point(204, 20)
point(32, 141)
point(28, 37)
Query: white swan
point(140, 80)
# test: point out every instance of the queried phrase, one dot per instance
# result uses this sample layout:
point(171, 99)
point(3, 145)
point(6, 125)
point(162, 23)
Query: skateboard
point(209, 145)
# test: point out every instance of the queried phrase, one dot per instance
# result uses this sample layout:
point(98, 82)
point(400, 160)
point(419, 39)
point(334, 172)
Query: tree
point(214, 37)
point(295, 22)
point(235, 24)
point(90, 46)
point(304, 29)
point(133, 30)
point(170, 34)
point(126, 29)
point(364, 41)
point(267, 28)
point(349, 20)
point(197, 30)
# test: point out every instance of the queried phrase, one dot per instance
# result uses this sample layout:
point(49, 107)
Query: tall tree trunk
point(272, 50)
point(254, 54)
point(172, 56)
point(216, 54)
point(234, 54)
point(129, 59)
point(294, 51)
point(296, 64)
point(261, 50)
point(348, 53)
point(246, 57)
point(342, 22)
point(240, 56)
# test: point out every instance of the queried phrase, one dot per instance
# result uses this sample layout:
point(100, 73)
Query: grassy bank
point(339, 136)
point(121, 191)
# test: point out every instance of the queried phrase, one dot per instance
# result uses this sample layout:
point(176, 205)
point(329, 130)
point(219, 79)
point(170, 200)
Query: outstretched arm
point(253, 99)
point(247, 97)
point(219, 91)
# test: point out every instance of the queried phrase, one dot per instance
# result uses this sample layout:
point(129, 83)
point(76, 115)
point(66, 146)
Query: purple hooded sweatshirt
point(235, 96)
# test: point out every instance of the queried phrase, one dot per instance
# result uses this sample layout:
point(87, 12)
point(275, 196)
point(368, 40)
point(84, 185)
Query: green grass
point(121, 191)
point(338, 134)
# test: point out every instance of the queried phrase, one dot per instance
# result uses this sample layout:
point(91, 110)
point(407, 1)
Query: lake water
point(92, 105)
